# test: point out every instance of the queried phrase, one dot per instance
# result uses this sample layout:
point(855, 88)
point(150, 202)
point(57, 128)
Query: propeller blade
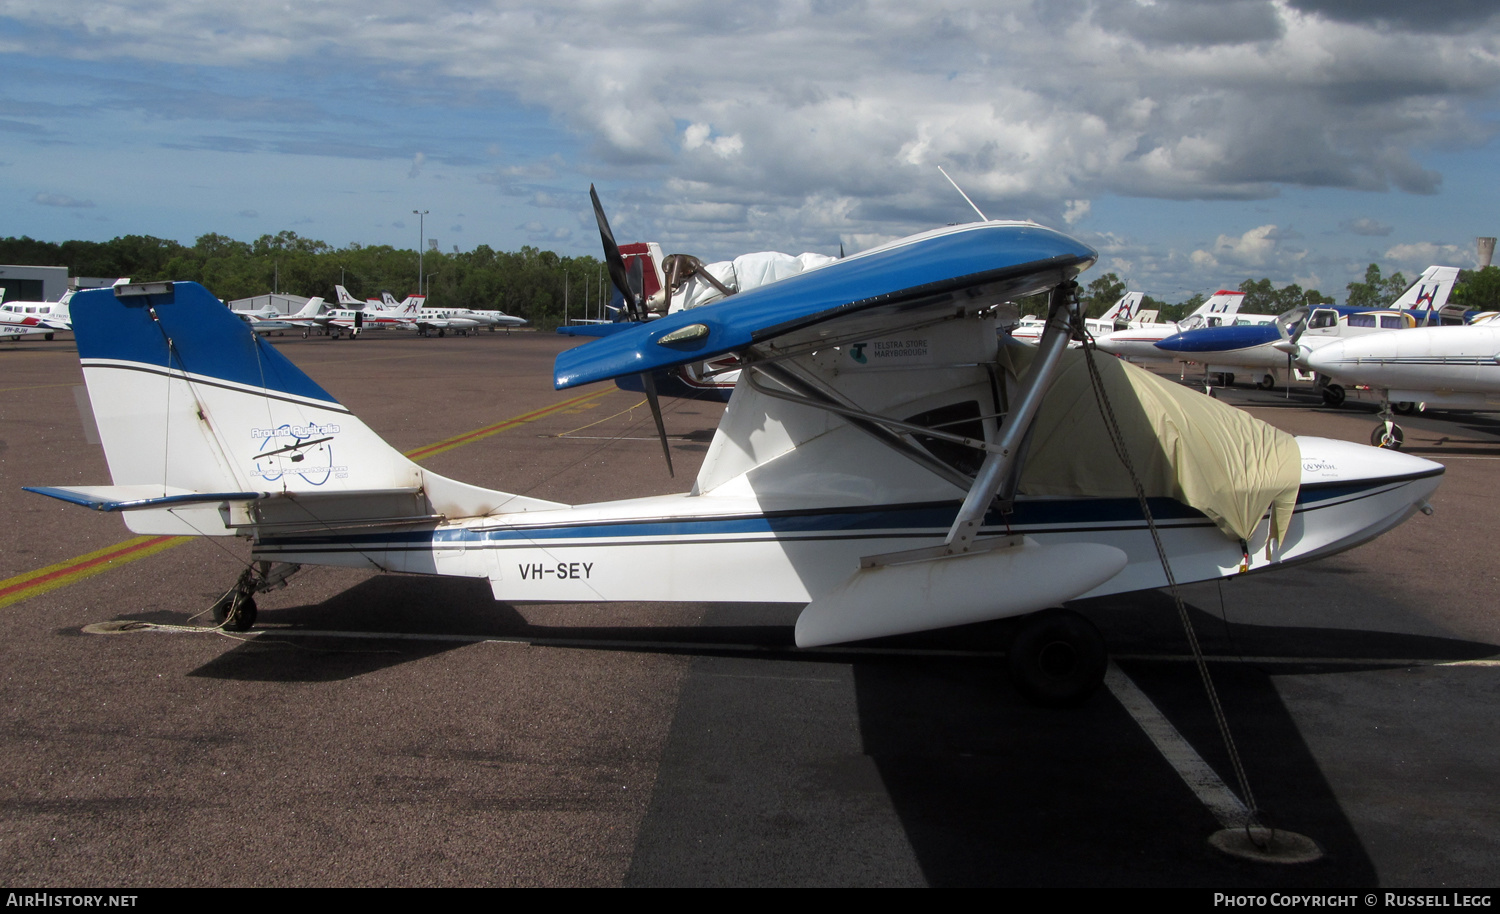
point(636, 277)
point(618, 276)
point(649, 383)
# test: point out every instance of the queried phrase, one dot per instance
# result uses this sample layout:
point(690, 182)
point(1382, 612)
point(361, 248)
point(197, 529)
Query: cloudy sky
point(1194, 143)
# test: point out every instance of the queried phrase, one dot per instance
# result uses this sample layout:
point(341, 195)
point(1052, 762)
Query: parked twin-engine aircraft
point(1269, 350)
point(423, 319)
point(21, 319)
point(1452, 367)
point(268, 319)
point(886, 460)
point(460, 320)
point(1138, 344)
point(1122, 315)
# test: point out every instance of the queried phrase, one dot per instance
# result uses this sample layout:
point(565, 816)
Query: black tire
point(1397, 437)
point(235, 612)
point(48, 337)
point(1334, 395)
point(1058, 658)
point(1266, 382)
point(1228, 379)
point(1404, 408)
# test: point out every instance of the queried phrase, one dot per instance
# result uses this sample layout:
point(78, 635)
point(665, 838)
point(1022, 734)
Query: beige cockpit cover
point(1183, 445)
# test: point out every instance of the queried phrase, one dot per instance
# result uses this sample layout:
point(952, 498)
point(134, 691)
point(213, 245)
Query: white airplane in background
point(459, 320)
point(1122, 314)
point(358, 320)
point(870, 466)
point(1274, 349)
point(21, 319)
point(428, 319)
point(1453, 367)
point(1138, 344)
point(267, 320)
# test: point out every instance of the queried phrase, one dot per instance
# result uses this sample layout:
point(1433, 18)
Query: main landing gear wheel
point(235, 611)
point(1392, 439)
point(1266, 382)
point(1404, 408)
point(1333, 395)
point(1058, 658)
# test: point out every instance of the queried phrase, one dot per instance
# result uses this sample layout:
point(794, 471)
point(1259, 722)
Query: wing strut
point(1064, 309)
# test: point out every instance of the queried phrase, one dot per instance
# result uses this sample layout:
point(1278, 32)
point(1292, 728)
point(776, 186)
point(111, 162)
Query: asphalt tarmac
point(409, 731)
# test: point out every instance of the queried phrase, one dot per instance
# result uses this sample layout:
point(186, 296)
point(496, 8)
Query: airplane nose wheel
point(1388, 435)
point(1058, 658)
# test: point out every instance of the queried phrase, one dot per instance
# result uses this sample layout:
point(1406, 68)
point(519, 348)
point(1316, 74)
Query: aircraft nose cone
point(1171, 343)
point(1323, 359)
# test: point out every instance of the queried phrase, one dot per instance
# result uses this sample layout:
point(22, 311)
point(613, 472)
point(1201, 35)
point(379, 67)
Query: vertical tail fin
point(1221, 304)
point(311, 309)
point(190, 401)
point(1124, 309)
point(1430, 291)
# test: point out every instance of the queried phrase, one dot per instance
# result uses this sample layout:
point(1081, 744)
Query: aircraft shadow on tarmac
point(930, 769)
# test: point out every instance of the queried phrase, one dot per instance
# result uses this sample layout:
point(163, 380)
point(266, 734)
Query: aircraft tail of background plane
point(208, 429)
point(346, 300)
point(1430, 291)
point(1125, 309)
point(311, 309)
point(1222, 303)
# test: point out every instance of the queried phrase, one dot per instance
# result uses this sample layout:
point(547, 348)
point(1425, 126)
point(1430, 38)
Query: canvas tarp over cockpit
point(1183, 445)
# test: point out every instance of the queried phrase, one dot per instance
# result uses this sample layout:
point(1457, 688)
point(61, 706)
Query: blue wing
point(917, 272)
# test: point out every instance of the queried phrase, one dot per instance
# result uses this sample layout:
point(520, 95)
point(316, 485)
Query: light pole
point(421, 215)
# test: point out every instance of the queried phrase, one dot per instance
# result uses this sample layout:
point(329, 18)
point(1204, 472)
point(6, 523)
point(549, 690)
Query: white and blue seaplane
point(886, 461)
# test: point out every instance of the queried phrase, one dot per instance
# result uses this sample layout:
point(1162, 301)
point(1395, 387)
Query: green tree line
point(533, 283)
point(528, 283)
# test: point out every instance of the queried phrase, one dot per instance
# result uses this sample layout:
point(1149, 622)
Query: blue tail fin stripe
point(207, 339)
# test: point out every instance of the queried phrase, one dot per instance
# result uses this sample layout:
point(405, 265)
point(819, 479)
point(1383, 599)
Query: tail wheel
point(1392, 439)
point(235, 611)
point(1058, 658)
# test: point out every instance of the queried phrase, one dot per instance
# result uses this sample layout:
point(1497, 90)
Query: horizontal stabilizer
point(127, 498)
point(884, 600)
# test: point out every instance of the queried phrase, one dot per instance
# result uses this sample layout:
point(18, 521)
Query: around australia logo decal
point(304, 451)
